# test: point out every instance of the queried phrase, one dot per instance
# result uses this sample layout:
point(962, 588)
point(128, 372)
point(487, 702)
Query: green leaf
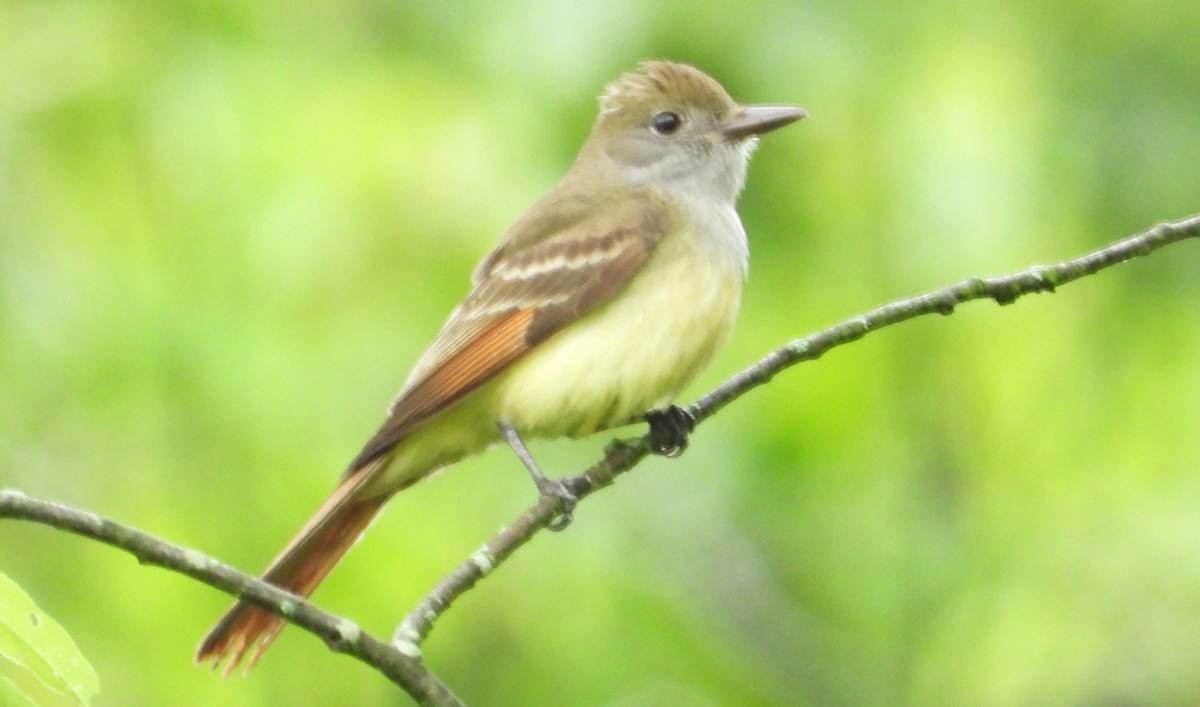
point(39, 663)
point(12, 696)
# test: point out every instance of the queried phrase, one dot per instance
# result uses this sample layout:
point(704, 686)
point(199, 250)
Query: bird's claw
point(555, 488)
point(669, 430)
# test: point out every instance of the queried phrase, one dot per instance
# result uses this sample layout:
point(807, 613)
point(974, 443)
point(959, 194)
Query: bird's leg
point(669, 430)
point(546, 486)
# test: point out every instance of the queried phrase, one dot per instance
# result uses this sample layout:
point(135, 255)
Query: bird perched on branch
point(599, 304)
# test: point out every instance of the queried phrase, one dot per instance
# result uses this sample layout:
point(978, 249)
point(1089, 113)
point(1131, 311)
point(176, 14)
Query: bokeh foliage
point(227, 229)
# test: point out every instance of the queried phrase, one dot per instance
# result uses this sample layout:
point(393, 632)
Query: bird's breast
point(638, 350)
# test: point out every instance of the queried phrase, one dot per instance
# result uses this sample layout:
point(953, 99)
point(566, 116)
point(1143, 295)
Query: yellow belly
point(632, 354)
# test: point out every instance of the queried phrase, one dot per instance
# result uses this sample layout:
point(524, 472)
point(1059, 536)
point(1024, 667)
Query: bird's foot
point(555, 488)
point(545, 485)
point(669, 430)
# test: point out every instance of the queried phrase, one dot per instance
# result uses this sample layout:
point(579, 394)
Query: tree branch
point(401, 662)
point(342, 635)
point(623, 455)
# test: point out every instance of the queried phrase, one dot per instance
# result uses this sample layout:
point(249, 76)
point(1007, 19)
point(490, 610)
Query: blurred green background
point(227, 230)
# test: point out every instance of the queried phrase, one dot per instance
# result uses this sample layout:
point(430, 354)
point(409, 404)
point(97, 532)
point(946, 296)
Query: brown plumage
point(299, 568)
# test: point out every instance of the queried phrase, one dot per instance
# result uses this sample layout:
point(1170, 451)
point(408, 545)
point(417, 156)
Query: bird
point(600, 303)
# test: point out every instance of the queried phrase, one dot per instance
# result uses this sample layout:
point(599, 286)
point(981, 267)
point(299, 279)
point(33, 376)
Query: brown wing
point(531, 287)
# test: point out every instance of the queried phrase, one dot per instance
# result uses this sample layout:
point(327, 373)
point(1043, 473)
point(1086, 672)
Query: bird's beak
point(756, 120)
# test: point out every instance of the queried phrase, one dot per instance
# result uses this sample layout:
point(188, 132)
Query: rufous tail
point(299, 568)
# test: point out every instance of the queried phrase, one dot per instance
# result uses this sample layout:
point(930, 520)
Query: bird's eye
point(666, 122)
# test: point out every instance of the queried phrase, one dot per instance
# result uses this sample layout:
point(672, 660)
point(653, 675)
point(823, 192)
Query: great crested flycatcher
point(601, 302)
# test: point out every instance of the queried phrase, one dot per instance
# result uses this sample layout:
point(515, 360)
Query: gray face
point(682, 149)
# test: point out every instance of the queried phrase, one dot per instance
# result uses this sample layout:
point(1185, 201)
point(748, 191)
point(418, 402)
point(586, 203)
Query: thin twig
point(401, 661)
point(623, 455)
point(342, 635)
